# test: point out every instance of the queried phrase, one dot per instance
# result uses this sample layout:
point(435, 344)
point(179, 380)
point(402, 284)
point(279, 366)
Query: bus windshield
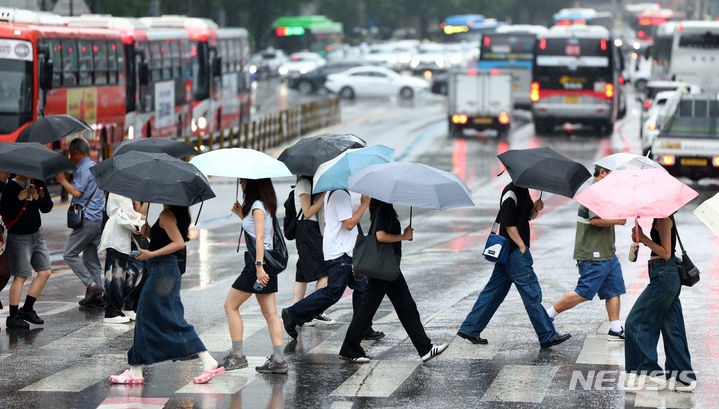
point(707, 40)
point(572, 63)
point(16, 94)
point(497, 48)
point(200, 71)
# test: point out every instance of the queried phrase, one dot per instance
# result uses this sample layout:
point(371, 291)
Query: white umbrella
point(614, 161)
point(708, 212)
point(240, 163)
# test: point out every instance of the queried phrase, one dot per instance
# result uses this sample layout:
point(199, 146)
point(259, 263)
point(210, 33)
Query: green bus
point(314, 33)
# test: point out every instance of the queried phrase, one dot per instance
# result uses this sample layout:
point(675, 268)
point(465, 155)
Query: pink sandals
point(126, 378)
point(208, 374)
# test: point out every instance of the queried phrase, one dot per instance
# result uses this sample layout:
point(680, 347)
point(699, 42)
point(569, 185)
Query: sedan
point(314, 81)
point(374, 81)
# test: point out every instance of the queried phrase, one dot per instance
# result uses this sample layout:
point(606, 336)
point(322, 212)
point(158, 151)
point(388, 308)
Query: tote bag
point(374, 259)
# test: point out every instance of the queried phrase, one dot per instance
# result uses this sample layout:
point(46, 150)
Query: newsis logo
point(616, 380)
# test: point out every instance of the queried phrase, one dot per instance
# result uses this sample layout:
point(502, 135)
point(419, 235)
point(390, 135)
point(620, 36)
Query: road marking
point(378, 379)
point(89, 336)
point(229, 382)
point(521, 383)
point(598, 351)
point(342, 404)
point(460, 348)
point(132, 403)
point(333, 343)
point(218, 339)
point(662, 399)
point(424, 135)
point(80, 376)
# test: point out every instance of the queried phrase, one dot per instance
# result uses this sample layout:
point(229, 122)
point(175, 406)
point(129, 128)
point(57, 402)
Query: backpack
point(289, 223)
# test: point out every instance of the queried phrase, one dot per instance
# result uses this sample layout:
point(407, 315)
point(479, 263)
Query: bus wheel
point(347, 93)
point(542, 127)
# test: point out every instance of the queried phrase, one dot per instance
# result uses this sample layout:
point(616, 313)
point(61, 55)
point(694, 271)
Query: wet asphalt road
point(66, 363)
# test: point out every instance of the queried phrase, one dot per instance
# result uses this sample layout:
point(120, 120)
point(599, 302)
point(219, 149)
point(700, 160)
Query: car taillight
point(621, 80)
point(487, 41)
point(543, 44)
point(472, 71)
point(459, 118)
point(503, 118)
point(652, 127)
point(667, 160)
point(534, 92)
point(603, 44)
point(647, 104)
point(609, 90)
point(715, 161)
point(494, 71)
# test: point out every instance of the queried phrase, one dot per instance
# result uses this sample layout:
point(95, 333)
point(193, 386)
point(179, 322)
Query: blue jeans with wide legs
point(658, 311)
point(517, 270)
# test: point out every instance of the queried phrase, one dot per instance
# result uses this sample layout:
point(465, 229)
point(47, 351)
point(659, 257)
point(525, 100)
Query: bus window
point(155, 62)
point(175, 54)
point(85, 62)
point(166, 60)
point(69, 62)
point(55, 55)
point(120, 62)
point(99, 52)
point(112, 65)
point(706, 40)
point(186, 59)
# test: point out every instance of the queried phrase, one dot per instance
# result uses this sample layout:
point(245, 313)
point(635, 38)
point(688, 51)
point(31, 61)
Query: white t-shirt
point(248, 223)
point(337, 240)
point(303, 187)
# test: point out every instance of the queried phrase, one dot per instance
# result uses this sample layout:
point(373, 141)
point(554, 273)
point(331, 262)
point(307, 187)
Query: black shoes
point(232, 362)
point(272, 366)
point(557, 340)
point(474, 340)
point(290, 326)
point(30, 316)
point(373, 335)
point(93, 297)
point(15, 322)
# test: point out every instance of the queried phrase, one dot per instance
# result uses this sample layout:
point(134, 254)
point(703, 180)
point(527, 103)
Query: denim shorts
point(603, 278)
point(27, 252)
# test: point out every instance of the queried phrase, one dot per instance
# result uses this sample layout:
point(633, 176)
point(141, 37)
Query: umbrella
point(304, 157)
point(240, 163)
point(153, 178)
point(333, 174)
point(641, 162)
point(544, 169)
point(614, 161)
point(51, 128)
point(627, 193)
point(708, 212)
point(177, 149)
point(32, 159)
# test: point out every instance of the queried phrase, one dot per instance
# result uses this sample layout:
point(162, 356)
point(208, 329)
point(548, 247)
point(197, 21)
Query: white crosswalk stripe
point(217, 338)
point(460, 348)
point(90, 336)
point(521, 383)
point(376, 379)
point(80, 376)
point(229, 382)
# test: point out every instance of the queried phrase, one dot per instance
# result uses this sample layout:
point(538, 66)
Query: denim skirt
point(161, 332)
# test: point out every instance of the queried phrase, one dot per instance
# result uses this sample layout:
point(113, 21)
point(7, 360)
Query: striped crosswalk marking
point(89, 336)
point(661, 399)
point(521, 383)
point(598, 351)
point(78, 377)
point(460, 348)
point(217, 338)
point(132, 402)
point(229, 382)
point(342, 404)
point(377, 379)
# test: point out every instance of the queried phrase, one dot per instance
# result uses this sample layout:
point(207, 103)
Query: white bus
point(695, 54)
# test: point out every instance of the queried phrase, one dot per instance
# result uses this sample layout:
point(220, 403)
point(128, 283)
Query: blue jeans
point(517, 270)
point(658, 310)
point(339, 276)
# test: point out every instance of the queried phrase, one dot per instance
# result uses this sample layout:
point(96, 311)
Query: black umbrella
point(544, 169)
point(51, 128)
point(177, 149)
point(32, 159)
point(304, 157)
point(153, 178)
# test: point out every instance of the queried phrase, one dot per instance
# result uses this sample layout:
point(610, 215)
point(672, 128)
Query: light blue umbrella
point(333, 174)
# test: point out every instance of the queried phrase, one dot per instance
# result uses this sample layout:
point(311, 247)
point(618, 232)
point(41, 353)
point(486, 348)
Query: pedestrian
point(516, 210)
point(122, 272)
point(161, 332)
point(659, 311)
point(86, 238)
point(23, 199)
point(338, 241)
point(259, 206)
point(599, 270)
point(4, 266)
point(388, 230)
point(310, 260)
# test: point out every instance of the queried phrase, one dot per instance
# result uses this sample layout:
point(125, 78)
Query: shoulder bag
point(688, 272)
point(497, 248)
point(373, 258)
point(76, 213)
point(275, 260)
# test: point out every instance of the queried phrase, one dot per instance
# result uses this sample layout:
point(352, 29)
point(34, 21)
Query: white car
point(430, 56)
point(374, 81)
point(652, 125)
point(303, 62)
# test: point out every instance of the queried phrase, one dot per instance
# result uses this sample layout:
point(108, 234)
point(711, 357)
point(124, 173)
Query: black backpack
point(289, 224)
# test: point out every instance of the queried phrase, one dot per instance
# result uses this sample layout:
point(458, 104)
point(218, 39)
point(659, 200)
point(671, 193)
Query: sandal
point(126, 378)
point(208, 374)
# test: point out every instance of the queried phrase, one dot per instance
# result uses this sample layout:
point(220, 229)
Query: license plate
point(571, 99)
point(694, 162)
point(516, 88)
point(482, 120)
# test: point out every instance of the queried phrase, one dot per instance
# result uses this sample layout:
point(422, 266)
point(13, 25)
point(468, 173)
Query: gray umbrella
point(177, 149)
point(51, 128)
point(304, 157)
point(32, 159)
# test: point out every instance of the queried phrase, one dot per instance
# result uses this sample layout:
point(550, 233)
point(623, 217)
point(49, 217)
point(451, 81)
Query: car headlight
point(414, 63)
point(283, 70)
point(193, 125)
point(304, 70)
point(439, 62)
point(131, 132)
point(202, 122)
point(392, 60)
point(252, 69)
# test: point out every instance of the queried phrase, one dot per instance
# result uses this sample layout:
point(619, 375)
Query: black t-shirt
point(27, 221)
point(387, 221)
point(515, 207)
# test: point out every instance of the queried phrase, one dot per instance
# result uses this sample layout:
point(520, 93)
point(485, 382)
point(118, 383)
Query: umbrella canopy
point(51, 128)
point(240, 163)
point(641, 162)
point(627, 193)
point(545, 169)
point(411, 184)
point(333, 174)
point(32, 159)
point(153, 178)
point(177, 149)
point(304, 157)
point(614, 161)
point(708, 212)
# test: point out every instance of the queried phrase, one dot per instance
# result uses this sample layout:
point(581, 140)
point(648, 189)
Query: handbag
point(688, 272)
point(374, 259)
point(497, 248)
point(275, 260)
point(76, 213)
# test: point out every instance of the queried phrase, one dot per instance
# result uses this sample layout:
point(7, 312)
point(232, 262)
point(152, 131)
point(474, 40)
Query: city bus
point(576, 78)
point(509, 49)
point(221, 87)
point(54, 69)
point(647, 23)
point(159, 76)
point(661, 51)
point(586, 16)
point(306, 33)
point(695, 54)
point(467, 27)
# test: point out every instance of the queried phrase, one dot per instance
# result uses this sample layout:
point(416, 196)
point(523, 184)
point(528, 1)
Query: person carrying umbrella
point(4, 268)
point(599, 269)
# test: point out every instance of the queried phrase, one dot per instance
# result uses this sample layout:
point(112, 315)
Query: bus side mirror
point(46, 70)
point(217, 66)
point(143, 73)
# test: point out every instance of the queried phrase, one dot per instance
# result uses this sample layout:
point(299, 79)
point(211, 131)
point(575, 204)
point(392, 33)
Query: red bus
point(62, 70)
point(646, 23)
point(221, 84)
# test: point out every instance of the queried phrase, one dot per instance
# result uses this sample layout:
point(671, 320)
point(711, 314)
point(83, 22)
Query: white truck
point(479, 100)
point(688, 143)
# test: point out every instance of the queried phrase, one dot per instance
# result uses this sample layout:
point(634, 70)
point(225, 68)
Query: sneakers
point(290, 326)
point(30, 316)
point(15, 322)
point(358, 360)
point(130, 314)
point(373, 335)
point(232, 362)
point(680, 386)
point(272, 366)
point(470, 338)
point(93, 297)
point(616, 336)
point(556, 341)
point(120, 319)
point(321, 319)
point(436, 350)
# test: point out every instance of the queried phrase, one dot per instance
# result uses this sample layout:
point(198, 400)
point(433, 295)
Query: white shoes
point(129, 314)
point(117, 320)
point(436, 350)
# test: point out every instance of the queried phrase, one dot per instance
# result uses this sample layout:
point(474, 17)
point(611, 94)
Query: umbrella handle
point(636, 231)
point(410, 219)
point(237, 189)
